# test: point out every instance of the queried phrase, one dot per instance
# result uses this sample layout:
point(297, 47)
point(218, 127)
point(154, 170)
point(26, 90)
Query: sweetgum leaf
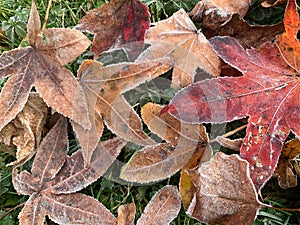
point(163, 207)
point(117, 23)
point(178, 38)
point(267, 93)
point(226, 194)
point(41, 65)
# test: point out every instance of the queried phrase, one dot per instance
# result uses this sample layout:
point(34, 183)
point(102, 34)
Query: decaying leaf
point(284, 170)
point(55, 177)
point(268, 93)
point(105, 85)
point(41, 65)
point(216, 13)
point(234, 144)
point(126, 214)
point(178, 38)
point(226, 194)
point(163, 207)
point(158, 162)
point(249, 36)
point(117, 23)
point(25, 130)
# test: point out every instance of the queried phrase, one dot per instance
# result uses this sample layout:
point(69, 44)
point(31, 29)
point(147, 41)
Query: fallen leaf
point(105, 86)
point(55, 177)
point(288, 43)
point(153, 163)
point(41, 65)
point(117, 23)
point(163, 207)
point(126, 214)
point(234, 144)
point(216, 13)
point(267, 94)
point(178, 38)
point(25, 130)
point(272, 3)
point(284, 170)
point(226, 193)
point(249, 36)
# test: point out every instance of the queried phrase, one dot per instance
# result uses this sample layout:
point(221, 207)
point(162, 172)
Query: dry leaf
point(25, 130)
point(178, 38)
point(41, 65)
point(117, 23)
point(226, 193)
point(55, 177)
point(249, 36)
point(216, 13)
point(229, 143)
point(272, 3)
point(105, 85)
point(284, 170)
point(158, 162)
point(126, 214)
point(163, 207)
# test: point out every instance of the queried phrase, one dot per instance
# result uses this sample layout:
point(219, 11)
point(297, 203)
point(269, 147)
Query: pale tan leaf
point(74, 176)
point(163, 207)
point(272, 3)
point(32, 212)
point(76, 208)
point(234, 144)
point(226, 193)
point(108, 83)
point(25, 130)
point(178, 38)
point(158, 162)
point(170, 128)
point(126, 214)
point(216, 13)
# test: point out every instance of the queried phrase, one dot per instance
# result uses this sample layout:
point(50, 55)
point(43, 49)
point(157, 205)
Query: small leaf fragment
point(126, 214)
point(163, 207)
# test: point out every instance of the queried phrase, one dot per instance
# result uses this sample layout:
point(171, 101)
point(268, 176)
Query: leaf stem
point(230, 133)
point(12, 209)
point(47, 15)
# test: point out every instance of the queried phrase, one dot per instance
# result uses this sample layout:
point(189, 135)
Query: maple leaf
point(162, 160)
point(25, 130)
point(178, 38)
point(117, 23)
point(41, 65)
point(216, 13)
point(55, 177)
point(162, 208)
point(267, 94)
point(284, 170)
point(233, 202)
point(103, 87)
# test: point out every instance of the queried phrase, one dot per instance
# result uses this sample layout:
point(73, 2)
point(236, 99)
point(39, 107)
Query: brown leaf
point(284, 170)
point(117, 23)
point(163, 160)
point(25, 130)
point(126, 214)
point(76, 209)
point(40, 65)
point(216, 13)
point(178, 38)
point(229, 143)
point(249, 36)
point(163, 207)
point(226, 193)
point(74, 176)
point(171, 129)
point(51, 184)
point(106, 85)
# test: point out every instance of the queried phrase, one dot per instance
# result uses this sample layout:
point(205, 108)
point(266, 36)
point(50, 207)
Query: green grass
point(13, 17)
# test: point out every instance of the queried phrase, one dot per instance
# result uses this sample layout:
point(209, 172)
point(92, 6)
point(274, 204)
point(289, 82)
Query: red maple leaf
point(268, 94)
